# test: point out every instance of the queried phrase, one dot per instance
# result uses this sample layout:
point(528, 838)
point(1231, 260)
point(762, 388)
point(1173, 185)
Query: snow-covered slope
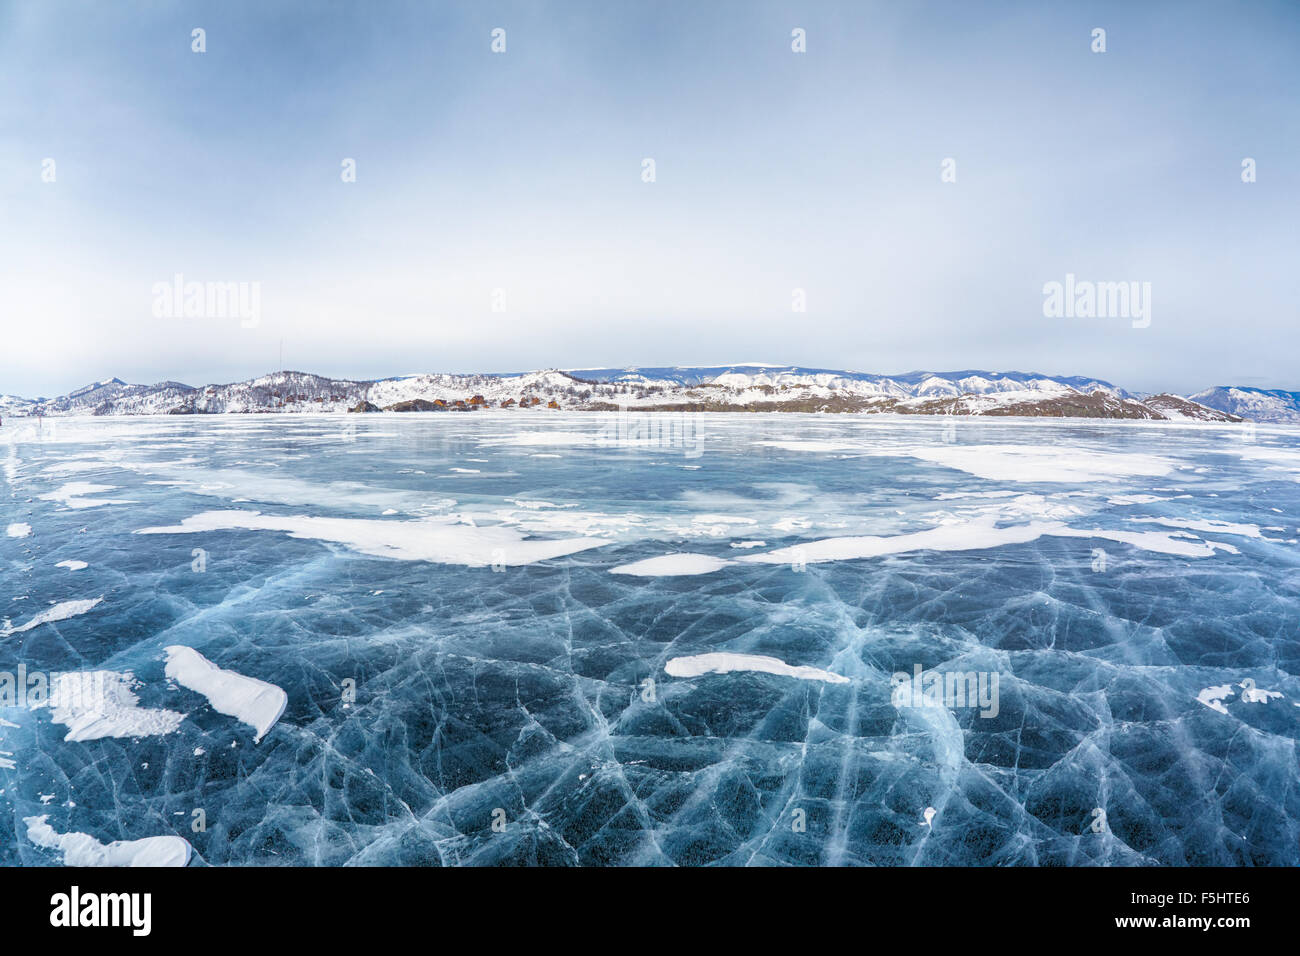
point(750, 387)
point(1253, 404)
point(1179, 409)
point(13, 405)
point(910, 384)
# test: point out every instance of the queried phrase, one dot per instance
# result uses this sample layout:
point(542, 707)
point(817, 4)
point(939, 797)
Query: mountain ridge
point(743, 387)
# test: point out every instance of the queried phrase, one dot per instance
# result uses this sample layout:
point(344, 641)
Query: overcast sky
point(522, 172)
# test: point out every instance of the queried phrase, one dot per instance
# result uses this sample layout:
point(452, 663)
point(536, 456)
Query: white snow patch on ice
point(1159, 542)
point(98, 704)
point(1206, 524)
point(1213, 697)
point(1251, 694)
point(950, 495)
point(81, 849)
point(722, 663)
point(543, 438)
point(1040, 463)
point(722, 519)
point(1269, 453)
point(1009, 462)
point(809, 445)
point(75, 494)
point(671, 565)
point(967, 536)
point(59, 612)
point(247, 699)
point(438, 539)
point(975, 535)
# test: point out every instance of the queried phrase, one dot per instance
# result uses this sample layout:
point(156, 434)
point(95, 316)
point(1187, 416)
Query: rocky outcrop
point(413, 405)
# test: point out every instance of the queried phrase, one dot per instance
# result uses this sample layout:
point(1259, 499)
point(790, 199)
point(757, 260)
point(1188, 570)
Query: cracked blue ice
point(529, 686)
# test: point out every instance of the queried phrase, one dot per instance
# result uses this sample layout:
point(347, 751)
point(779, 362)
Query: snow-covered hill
point(747, 387)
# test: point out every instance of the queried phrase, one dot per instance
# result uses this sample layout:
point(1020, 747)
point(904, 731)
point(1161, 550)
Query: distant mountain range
point(745, 387)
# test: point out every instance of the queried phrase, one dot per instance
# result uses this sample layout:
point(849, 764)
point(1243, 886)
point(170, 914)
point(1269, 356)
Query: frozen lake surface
point(540, 637)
